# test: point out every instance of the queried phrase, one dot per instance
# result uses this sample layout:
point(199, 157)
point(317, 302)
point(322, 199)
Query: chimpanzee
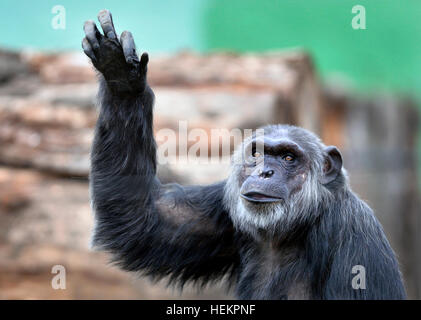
point(284, 225)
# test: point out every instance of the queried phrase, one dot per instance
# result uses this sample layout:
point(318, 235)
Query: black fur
point(186, 234)
point(323, 254)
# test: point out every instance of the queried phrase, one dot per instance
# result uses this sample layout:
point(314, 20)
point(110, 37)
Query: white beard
point(273, 218)
point(248, 220)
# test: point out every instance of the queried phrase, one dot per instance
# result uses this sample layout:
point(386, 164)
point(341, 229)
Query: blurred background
point(215, 64)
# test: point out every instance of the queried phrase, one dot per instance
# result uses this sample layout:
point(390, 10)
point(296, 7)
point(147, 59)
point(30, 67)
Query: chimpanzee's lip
point(259, 197)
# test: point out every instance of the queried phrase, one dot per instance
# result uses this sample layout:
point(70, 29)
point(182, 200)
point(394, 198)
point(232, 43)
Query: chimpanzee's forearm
point(123, 156)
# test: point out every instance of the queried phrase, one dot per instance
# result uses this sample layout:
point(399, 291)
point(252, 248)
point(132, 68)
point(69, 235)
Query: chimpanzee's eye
point(288, 158)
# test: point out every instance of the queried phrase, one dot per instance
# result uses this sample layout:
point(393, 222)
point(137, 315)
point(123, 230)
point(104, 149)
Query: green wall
point(158, 25)
point(387, 54)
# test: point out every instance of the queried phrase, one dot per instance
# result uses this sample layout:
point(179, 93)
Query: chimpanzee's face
point(272, 172)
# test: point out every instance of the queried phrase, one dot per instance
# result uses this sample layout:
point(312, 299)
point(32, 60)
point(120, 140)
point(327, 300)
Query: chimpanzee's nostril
point(266, 174)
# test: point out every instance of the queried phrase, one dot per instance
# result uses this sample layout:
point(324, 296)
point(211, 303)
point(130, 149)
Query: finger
point(92, 34)
point(144, 59)
point(88, 49)
point(129, 48)
point(106, 21)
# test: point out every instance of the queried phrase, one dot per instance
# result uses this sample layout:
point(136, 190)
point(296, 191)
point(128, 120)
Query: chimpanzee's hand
point(116, 60)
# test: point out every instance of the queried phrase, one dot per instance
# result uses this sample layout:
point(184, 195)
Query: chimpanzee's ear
point(332, 165)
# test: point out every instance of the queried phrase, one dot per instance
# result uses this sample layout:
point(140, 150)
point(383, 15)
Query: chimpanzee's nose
point(266, 173)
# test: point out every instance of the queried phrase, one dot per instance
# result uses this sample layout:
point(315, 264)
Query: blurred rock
point(54, 228)
point(61, 68)
point(15, 189)
point(51, 128)
point(11, 66)
point(52, 138)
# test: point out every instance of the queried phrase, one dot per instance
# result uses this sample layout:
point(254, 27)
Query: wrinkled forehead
point(293, 136)
point(273, 145)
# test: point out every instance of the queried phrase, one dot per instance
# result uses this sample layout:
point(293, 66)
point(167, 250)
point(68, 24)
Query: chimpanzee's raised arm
point(163, 230)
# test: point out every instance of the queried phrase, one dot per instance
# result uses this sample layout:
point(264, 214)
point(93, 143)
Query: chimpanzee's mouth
point(258, 197)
